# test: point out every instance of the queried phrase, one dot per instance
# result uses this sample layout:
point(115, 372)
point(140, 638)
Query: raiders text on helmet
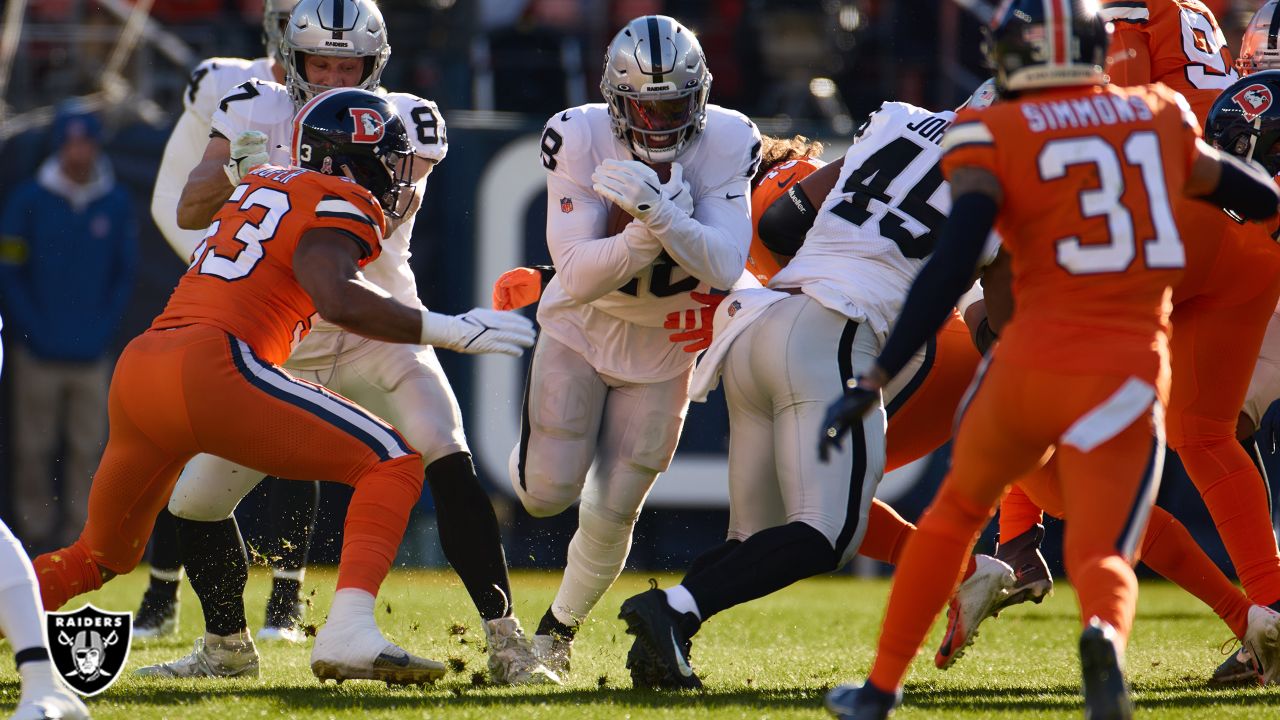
point(356, 134)
point(1245, 119)
point(656, 85)
point(334, 28)
point(1258, 48)
point(275, 14)
point(1035, 44)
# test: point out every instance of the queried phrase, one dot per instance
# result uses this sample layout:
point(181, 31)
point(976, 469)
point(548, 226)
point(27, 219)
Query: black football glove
point(842, 415)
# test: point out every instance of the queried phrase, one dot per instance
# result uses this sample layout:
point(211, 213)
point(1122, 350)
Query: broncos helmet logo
point(1254, 100)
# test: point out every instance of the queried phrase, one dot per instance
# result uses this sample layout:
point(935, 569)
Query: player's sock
point(218, 568)
point(1237, 500)
point(887, 534)
point(1018, 514)
point(711, 557)
point(21, 619)
point(1106, 589)
point(469, 534)
point(292, 505)
point(681, 600)
point(35, 667)
point(376, 519)
point(764, 563)
point(928, 574)
point(597, 553)
point(66, 573)
point(166, 558)
point(552, 625)
point(1170, 550)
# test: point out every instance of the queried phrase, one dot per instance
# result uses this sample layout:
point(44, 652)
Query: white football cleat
point(553, 651)
point(213, 656)
point(975, 600)
point(350, 652)
point(512, 660)
point(54, 704)
point(1262, 641)
point(272, 633)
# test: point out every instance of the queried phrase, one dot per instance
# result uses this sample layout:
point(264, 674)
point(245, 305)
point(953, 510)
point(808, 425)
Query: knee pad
point(537, 487)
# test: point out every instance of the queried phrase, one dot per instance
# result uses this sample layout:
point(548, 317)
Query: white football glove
point(479, 330)
point(248, 151)
point(677, 190)
point(629, 184)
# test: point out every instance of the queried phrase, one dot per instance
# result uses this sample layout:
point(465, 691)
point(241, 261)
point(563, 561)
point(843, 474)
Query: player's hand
point(694, 325)
point(517, 288)
point(1269, 426)
point(479, 330)
point(677, 190)
point(629, 184)
point(248, 151)
point(844, 414)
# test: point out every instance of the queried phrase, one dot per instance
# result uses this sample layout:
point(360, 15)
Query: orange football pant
point(1016, 416)
point(196, 389)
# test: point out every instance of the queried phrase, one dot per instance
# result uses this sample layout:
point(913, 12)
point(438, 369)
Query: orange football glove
point(694, 324)
point(517, 288)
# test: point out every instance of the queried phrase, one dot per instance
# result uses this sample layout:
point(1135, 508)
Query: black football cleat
point(1106, 694)
point(659, 656)
point(865, 702)
point(157, 616)
point(1022, 553)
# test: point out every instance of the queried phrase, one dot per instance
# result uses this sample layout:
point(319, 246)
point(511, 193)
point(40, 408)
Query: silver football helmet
point(656, 85)
point(1258, 48)
point(334, 28)
point(275, 14)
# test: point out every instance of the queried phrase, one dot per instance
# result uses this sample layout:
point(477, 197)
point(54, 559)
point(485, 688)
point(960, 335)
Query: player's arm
point(184, 141)
point(712, 243)
point(326, 264)
point(207, 186)
point(1231, 184)
point(786, 222)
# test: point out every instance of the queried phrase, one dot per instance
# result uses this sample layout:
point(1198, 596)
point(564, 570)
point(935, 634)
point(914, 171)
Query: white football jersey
point(878, 225)
point(265, 106)
point(211, 80)
point(611, 295)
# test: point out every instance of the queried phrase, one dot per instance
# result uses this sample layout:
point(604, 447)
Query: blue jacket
point(67, 259)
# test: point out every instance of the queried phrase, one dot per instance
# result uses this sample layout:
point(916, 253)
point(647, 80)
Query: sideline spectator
point(68, 247)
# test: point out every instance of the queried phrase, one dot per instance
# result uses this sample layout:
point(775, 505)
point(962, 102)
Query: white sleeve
point(181, 154)
point(589, 267)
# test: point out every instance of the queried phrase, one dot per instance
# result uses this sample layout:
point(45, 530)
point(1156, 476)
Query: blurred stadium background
point(497, 69)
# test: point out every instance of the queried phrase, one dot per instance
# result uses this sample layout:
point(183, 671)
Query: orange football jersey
point(1088, 174)
point(1187, 49)
point(772, 186)
point(241, 278)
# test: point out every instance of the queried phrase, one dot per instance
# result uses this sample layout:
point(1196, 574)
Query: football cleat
point(1238, 669)
point(1262, 640)
point(659, 655)
point(56, 704)
point(214, 656)
point(157, 616)
point(554, 652)
point(975, 600)
point(865, 702)
point(512, 659)
point(284, 618)
point(1106, 694)
point(1022, 553)
point(352, 653)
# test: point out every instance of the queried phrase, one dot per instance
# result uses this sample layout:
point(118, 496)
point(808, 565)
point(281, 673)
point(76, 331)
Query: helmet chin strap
point(1253, 138)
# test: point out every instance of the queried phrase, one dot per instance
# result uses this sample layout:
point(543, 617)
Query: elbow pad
point(784, 224)
point(1244, 191)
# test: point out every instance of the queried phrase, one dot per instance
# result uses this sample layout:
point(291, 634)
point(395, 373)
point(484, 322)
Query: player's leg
point(293, 504)
point(36, 399)
point(158, 614)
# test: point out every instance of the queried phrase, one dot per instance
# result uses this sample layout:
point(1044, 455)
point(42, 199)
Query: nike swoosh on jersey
point(784, 183)
point(681, 663)
point(727, 196)
point(564, 117)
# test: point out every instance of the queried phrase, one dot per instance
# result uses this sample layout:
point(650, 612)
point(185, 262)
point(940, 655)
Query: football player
point(206, 377)
point(292, 503)
point(343, 43)
point(1087, 377)
point(605, 385)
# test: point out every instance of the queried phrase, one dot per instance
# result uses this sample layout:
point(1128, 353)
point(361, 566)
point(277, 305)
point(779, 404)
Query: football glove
point(677, 190)
point(629, 184)
point(478, 330)
point(517, 288)
point(248, 151)
point(694, 326)
point(842, 415)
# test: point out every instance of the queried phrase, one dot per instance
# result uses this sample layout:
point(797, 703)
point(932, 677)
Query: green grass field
point(772, 659)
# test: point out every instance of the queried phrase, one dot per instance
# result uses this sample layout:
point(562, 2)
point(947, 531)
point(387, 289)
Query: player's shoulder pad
point(254, 104)
point(571, 139)
point(425, 123)
point(730, 134)
point(340, 197)
point(1125, 13)
point(969, 129)
point(212, 79)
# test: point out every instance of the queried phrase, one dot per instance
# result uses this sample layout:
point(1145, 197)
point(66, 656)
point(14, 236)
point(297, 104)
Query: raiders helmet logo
point(369, 127)
point(89, 647)
point(1253, 100)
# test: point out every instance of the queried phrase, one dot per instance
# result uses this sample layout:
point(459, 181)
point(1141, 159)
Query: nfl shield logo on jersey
point(89, 647)
point(566, 205)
